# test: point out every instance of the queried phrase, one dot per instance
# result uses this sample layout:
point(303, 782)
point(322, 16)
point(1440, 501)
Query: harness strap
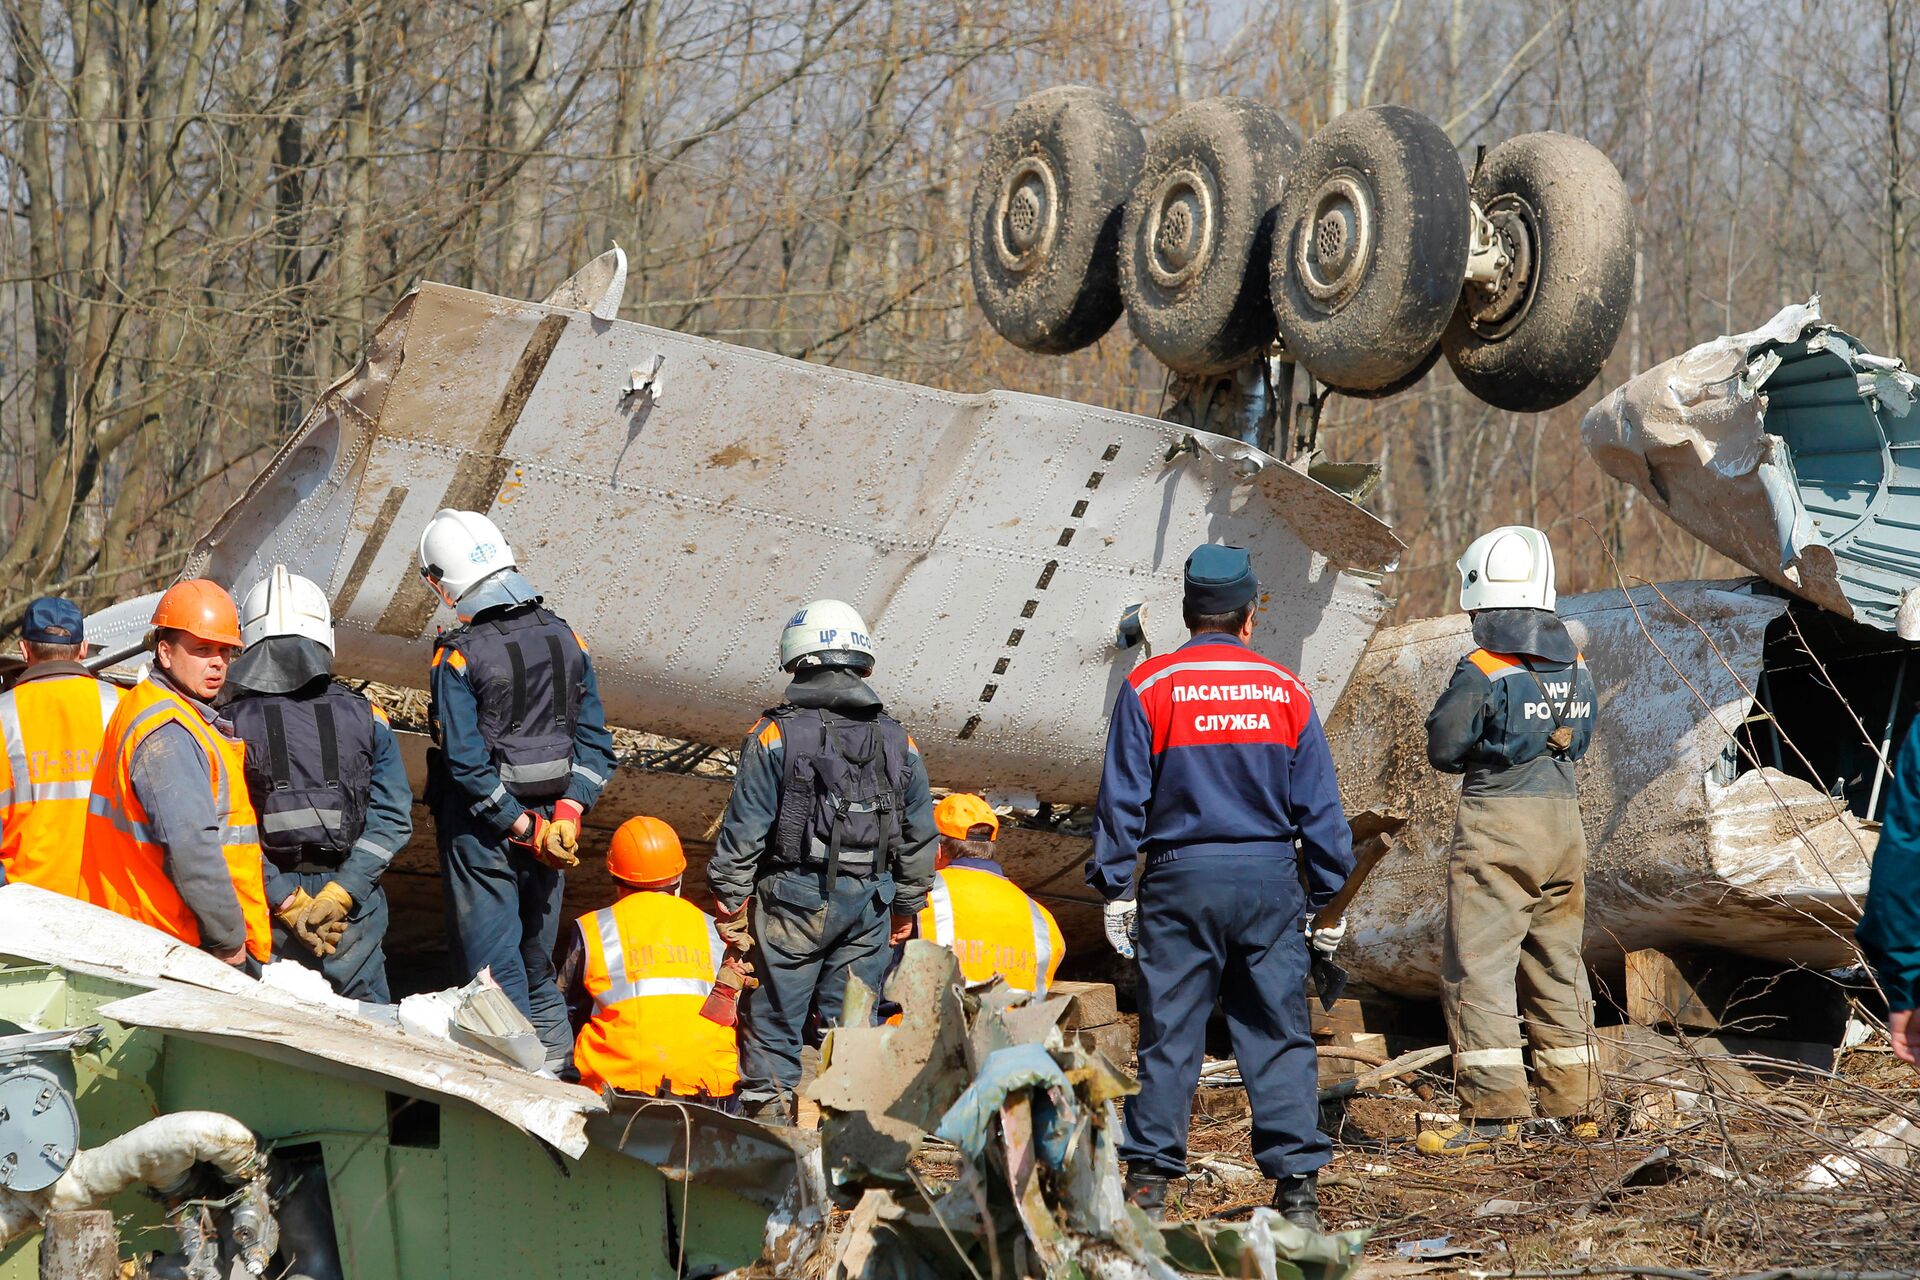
point(329, 743)
point(519, 663)
point(562, 686)
point(278, 767)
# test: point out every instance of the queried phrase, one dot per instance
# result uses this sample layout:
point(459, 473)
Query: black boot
point(1298, 1200)
point(1148, 1193)
point(776, 1111)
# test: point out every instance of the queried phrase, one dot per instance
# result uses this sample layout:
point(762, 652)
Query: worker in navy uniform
point(328, 785)
point(521, 752)
point(825, 854)
point(1219, 774)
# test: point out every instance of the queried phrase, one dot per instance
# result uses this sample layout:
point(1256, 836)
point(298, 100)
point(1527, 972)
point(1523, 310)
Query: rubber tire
point(1396, 312)
point(1405, 382)
point(1070, 295)
point(1218, 317)
point(1583, 278)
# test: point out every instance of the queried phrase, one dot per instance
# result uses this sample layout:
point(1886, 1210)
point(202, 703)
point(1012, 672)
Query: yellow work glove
point(326, 919)
point(292, 916)
point(558, 843)
point(734, 930)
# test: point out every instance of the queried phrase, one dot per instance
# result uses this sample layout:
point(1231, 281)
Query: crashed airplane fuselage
point(677, 499)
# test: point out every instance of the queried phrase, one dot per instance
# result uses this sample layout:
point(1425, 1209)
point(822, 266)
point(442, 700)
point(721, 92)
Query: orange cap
point(645, 851)
point(960, 813)
point(201, 608)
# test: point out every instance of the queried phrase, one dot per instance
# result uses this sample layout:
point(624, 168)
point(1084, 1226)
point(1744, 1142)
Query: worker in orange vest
point(51, 723)
point(636, 973)
point(990, 924)
point(171, 833)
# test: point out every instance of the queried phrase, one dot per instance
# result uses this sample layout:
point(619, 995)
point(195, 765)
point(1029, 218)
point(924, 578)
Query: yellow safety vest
point(50, 733)
point(651, 960)
point(993, 928)
point(123, 867)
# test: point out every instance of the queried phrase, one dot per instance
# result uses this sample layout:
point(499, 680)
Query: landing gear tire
point(1195, 243)
point(1405, 382)
point(1046, 218)
point(1537, 336)
point(1369, 248)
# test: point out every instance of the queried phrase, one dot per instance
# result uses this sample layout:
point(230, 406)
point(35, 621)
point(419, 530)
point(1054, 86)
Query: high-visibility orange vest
point(993, 928)
point(50, 733)
point(123, 868)
point(651, 960)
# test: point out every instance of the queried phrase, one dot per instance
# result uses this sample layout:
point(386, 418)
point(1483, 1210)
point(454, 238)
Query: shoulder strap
point(1562, 737)
point(279, 767)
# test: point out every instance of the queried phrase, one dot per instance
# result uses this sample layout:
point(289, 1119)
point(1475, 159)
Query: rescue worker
point(1515, 719)
point(991, 926)
point(1216, 766)
point(521, 751)
point(327, 782)
point(171, 835)
point(636, 973)
point(1889, 930)
point(52, 719)
point(828, 831)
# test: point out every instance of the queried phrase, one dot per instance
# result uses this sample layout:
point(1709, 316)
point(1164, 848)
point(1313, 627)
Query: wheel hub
point(1179, 227)
point(1336, 245)
point(1028, 216)
point(1496, 307)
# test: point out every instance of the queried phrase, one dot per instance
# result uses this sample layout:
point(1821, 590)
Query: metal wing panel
point(677, 498)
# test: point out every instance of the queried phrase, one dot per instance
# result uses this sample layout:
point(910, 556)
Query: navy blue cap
point(1219, 579)
point(51, 620)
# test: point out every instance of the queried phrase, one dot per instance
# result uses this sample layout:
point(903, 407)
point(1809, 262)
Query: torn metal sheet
point(1790, 449)
point(676, 498)
point(1764, 863)
point(204, 999)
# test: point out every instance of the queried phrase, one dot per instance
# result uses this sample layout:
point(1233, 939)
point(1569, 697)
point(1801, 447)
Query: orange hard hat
point(645, 851)
point(960, 813)
point(201, 608)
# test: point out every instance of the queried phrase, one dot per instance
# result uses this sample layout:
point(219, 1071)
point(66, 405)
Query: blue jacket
point(1889, 929)
point(1214, 749)
point(462, 769)
point(747, 828)
point(1492, 723)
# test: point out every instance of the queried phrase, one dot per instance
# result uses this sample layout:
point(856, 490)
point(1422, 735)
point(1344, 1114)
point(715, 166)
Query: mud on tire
point(1194, 247)
point(1046, 218)
point(1370, 248)
point(1543, 333)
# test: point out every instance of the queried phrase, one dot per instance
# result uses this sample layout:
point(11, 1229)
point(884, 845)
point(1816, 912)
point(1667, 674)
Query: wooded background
point(207, 204)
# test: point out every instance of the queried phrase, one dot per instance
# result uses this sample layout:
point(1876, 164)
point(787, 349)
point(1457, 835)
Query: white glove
point(1123, 925)
point(1327, 940)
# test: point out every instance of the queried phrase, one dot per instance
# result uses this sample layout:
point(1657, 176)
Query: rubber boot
point(1466, 1138)
point(1148, 1193)
point(1297, 1199)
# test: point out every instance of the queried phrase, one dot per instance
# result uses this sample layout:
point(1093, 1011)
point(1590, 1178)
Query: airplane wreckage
point(675, 497)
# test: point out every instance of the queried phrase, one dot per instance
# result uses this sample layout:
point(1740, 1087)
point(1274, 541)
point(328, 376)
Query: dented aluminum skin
point(1790, 449)
point(676, 499)
point(1764, 864)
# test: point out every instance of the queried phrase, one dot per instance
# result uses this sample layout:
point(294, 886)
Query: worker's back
point(651, 959)
point(51, 725)
point(993, 928)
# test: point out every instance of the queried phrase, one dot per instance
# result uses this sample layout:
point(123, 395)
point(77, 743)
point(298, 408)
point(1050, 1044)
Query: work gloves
point(319, 920)
point(553, 841)
point(1327, 938)
point(1123, 925)
point(733, 929)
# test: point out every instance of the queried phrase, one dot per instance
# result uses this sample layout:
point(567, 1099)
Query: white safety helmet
point(826, 633)
point(286, 604)
point(1509, 568)
point(461, 549)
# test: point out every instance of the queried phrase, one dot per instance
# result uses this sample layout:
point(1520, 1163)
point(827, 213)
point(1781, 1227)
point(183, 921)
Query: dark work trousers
point(808, 944)
point(503, 914)
point(358, 967)
point(1225, 927)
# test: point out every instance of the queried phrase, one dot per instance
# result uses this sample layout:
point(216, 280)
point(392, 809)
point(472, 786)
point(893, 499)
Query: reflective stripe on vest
point(945, 930)
point(50, 734)
point(123, 866)
point(620, 986)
